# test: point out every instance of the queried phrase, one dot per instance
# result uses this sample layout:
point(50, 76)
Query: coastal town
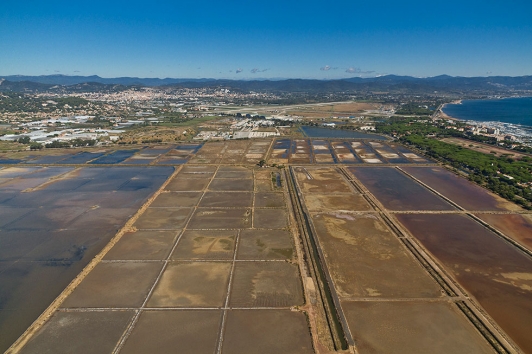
point(107, 117)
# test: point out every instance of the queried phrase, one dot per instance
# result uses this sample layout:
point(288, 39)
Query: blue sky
point(265, 39)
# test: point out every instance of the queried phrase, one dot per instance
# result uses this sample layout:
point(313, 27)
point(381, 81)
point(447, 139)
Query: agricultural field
point(341, 109)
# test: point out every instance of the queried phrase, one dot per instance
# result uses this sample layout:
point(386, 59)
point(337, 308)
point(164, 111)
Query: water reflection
point(54, 221)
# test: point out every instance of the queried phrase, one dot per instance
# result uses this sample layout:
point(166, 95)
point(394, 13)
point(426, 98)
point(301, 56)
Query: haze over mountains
point(394, 83)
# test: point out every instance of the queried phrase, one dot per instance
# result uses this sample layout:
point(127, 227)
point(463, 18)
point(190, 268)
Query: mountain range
point(388, 83)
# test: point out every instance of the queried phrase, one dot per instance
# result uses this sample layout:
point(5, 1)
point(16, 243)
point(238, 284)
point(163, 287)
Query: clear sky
point(265, 39)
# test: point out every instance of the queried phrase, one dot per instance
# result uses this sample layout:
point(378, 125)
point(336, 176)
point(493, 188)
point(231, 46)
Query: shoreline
point(484, 121)
point(445, 115)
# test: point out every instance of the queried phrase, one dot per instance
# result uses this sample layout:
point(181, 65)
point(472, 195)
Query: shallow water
point(396, 191)
point(48, 234)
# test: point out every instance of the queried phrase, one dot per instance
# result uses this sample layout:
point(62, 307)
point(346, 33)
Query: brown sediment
point(226, 199)
point(359, 247)
point(464, 193)
point(192, 284)
point(45, 316)
point(517, 227)
point(192, 331)
point(412, 327)
point(207, 218)
point(494, 272)
point(266, 284)
point(143, 245)
point(265, 244)
point(273, 331)
point(321, 180)
point(205, 244)
point(270, 219)
point(396, 191)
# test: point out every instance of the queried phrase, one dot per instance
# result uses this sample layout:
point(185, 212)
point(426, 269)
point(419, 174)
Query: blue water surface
point(507, 110)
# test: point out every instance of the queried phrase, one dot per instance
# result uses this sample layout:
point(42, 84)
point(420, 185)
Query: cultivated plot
point(210, 153)
point(187, 184)
point(270, 218)
point(269, 200)
point(216, 260)
point(341, 202)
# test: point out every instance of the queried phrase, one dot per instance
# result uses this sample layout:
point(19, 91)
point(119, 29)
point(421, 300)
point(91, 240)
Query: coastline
point(491, 111)
point(522, 133)
point(445, 115)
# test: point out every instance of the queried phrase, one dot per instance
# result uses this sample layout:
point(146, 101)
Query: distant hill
point(21, 86)
point(72, 80)
point(388, 83)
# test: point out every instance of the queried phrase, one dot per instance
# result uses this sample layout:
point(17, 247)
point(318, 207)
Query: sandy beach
point(445, 116)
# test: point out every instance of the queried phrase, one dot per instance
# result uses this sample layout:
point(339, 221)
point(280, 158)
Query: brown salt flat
point(396, 191)
point(192, 284)
point(515, 226)
point(206, 218)
point(269, 200)
point(115, 285)
point(163, 218)
point(266, 331)
point(461, 191)
point(366, 260)
point(177, 199)
point(226, 199)
point(193, 332)
point(143, 244)
point(412, 327)
point(206, 244)
point(79, 332)
point(265, 244)
point(494, 272)
point(270, 218)
point(266, 284)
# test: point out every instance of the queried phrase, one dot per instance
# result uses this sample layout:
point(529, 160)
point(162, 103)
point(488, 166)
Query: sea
point(515, 110)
